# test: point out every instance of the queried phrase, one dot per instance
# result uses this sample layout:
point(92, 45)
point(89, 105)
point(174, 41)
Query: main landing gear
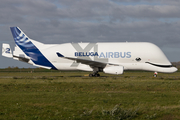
point(95, 74)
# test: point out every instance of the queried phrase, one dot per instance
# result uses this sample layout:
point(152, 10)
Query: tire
point(90, 75)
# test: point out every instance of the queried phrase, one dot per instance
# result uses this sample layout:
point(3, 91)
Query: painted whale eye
point(138, 59)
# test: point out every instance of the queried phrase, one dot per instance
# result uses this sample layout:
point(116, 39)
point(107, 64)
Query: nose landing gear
point(155, 74)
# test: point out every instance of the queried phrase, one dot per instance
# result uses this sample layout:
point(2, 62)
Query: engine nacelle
point(114, 70)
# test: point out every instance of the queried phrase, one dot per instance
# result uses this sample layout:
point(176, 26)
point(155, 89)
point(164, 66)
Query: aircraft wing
point(87, 62)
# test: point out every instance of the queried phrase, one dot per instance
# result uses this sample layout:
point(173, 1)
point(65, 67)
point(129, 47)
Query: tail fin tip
point(18, 34)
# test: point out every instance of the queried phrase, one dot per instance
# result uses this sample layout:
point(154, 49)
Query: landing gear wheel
point(94, 75)
point(90, 75)
point(155, 74)
point(98, 75)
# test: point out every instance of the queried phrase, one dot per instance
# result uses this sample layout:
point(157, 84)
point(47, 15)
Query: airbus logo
point(98, 56)
point(115, 55)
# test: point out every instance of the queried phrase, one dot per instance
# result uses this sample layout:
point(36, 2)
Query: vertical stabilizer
point(30, 49)
point(6, 50)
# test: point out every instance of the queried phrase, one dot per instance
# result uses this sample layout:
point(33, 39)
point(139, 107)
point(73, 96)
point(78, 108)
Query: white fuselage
point(107, 57)
point(132, 56)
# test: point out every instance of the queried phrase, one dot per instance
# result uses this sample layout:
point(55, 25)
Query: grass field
point(42, 95)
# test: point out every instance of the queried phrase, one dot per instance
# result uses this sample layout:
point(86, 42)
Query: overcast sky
point(61, 21)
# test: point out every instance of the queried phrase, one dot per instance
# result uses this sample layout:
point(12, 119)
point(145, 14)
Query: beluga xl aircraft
point(107, 57)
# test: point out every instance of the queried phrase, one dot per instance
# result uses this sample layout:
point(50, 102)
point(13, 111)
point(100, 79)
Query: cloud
point(61, 21)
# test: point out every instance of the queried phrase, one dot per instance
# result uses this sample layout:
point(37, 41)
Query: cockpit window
point(138, 59)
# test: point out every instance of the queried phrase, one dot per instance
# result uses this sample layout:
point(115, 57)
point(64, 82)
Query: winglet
point(6, 50)
point(59, 55)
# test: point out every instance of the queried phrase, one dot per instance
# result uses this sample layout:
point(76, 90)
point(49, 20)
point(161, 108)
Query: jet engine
point(114, 70)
